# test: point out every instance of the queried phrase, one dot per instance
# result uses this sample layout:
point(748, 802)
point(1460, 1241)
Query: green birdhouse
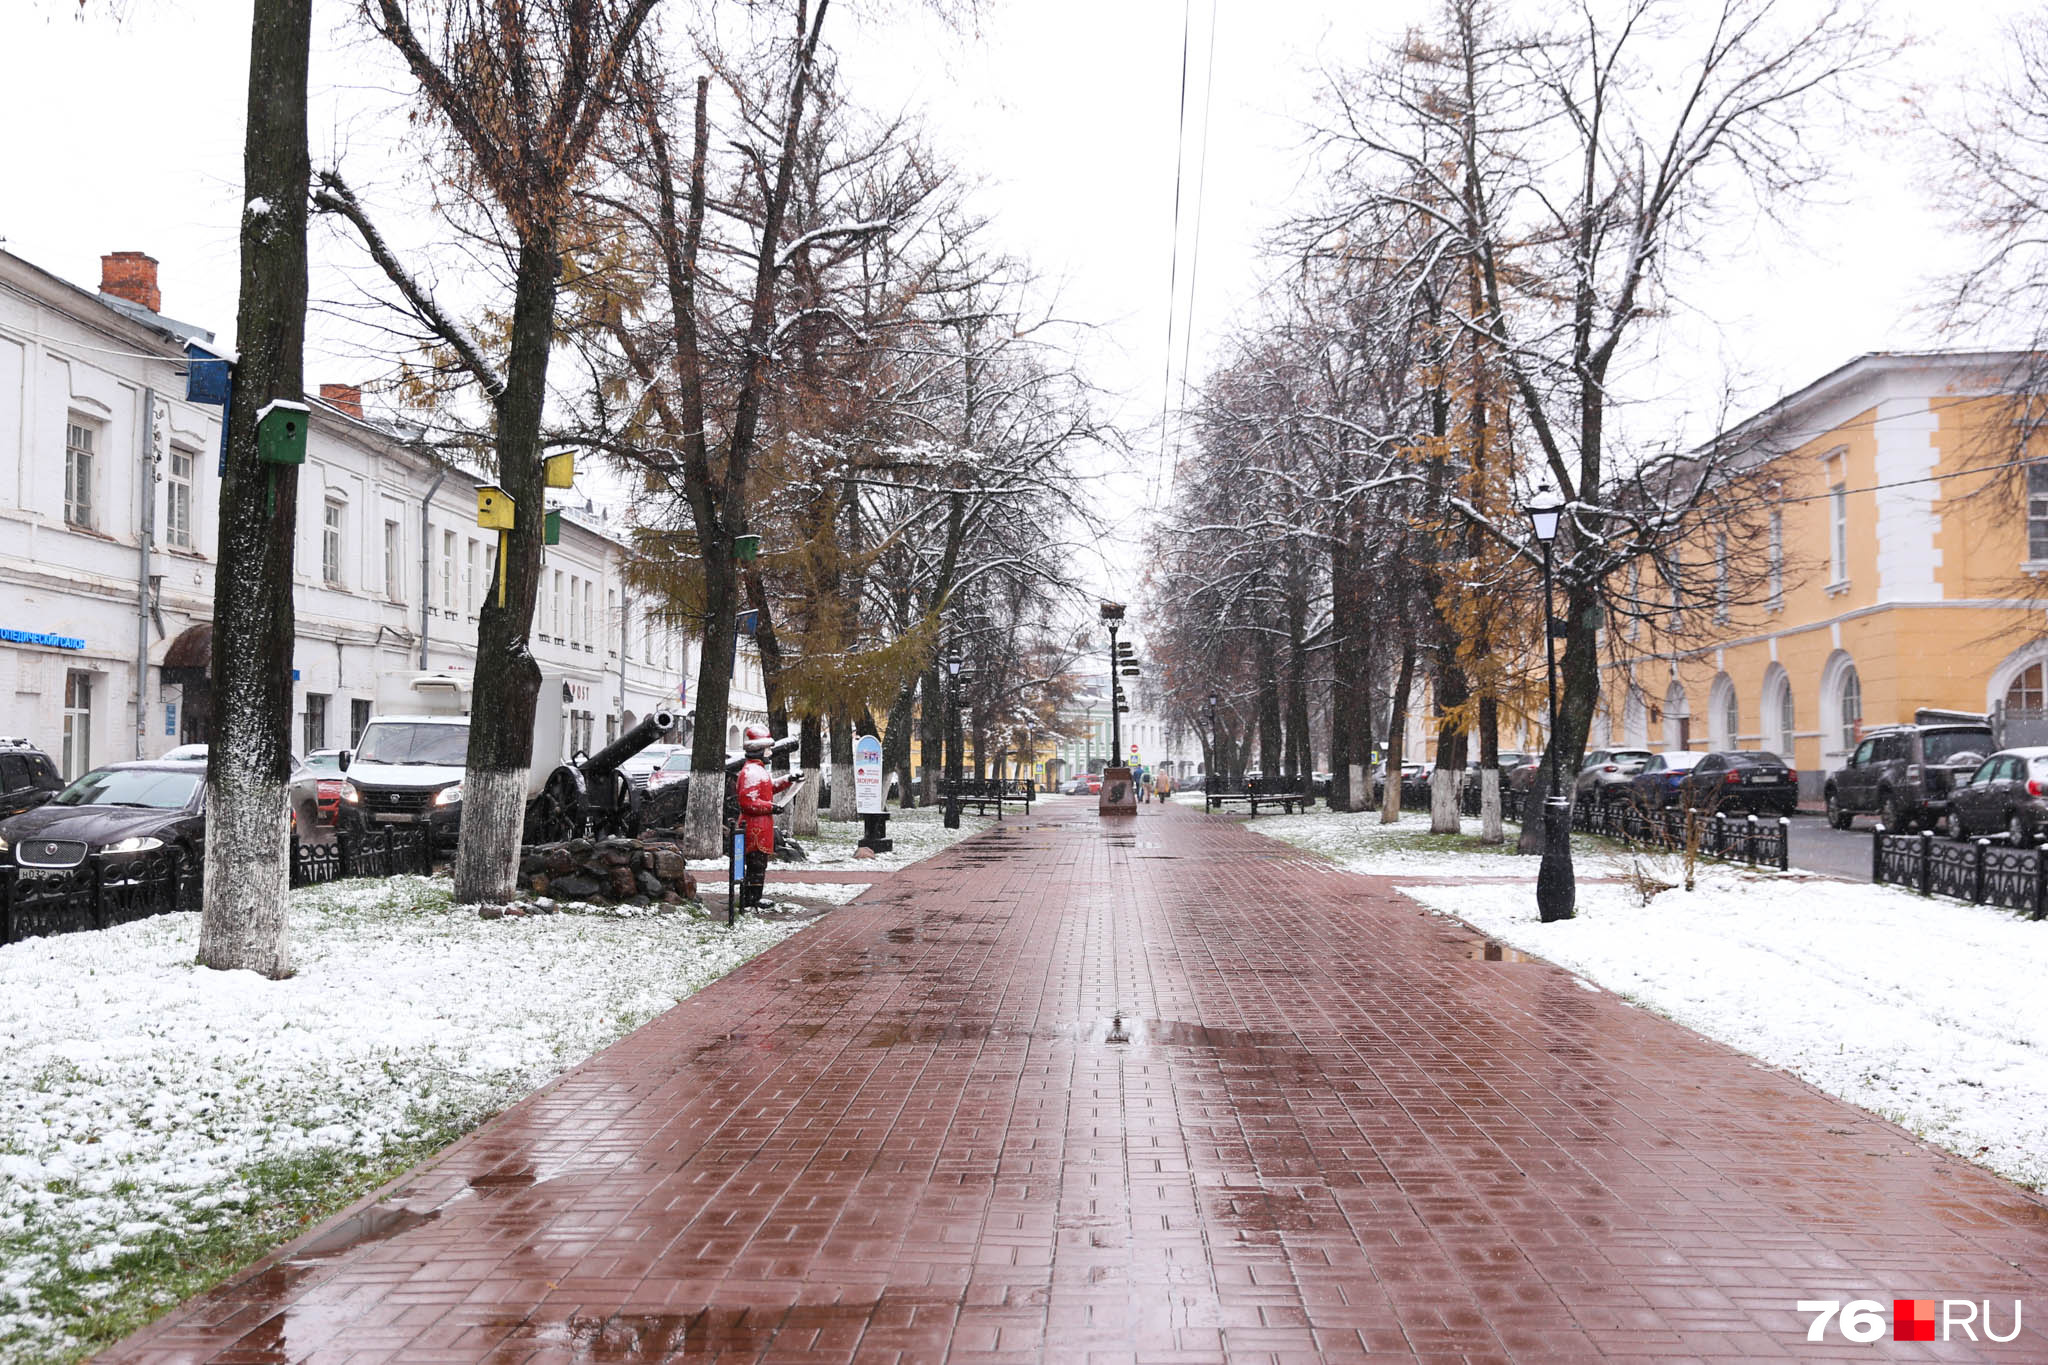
point(746, 549)
point(281, 432)
point(551, 529)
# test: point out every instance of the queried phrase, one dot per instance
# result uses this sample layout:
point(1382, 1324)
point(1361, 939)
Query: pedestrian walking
point(1162, 787)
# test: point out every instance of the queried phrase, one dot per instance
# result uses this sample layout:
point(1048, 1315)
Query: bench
point(1257, 792)
point(984, 793)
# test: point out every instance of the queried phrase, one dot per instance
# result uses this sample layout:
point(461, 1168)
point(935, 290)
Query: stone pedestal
point(1119, 794)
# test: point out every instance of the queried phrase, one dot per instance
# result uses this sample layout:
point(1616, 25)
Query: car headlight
point(351, 793)
point(140, 843)
point(448, 796)
point(4, 845)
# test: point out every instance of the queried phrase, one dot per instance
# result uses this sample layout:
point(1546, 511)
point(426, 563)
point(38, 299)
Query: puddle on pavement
point(517, 1176)
point(374, 1224)
point(1491, 950)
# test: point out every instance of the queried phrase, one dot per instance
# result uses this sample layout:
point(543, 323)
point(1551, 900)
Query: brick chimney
point(131, 275)
point(347, 397)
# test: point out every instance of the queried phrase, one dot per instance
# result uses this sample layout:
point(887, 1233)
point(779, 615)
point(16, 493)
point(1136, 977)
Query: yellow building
point(1899, 573)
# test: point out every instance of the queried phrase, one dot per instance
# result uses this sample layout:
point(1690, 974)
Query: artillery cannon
point(591, 797)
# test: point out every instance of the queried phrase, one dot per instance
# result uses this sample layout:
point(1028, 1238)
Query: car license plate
point(1765, 777)
point(394, 818)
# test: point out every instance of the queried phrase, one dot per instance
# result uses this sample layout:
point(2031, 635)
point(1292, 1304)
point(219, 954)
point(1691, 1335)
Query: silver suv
point(1605, 774)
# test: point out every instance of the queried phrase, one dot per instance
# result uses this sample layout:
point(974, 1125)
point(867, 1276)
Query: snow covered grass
point(1927, 1012)
point(918, 834)
point(1362, 844)
point(161, 1125)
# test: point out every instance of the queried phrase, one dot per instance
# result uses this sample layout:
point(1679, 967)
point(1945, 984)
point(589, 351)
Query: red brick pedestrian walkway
point(1336, 1129)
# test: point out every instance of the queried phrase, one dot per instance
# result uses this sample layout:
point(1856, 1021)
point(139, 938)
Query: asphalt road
point(1840, 852)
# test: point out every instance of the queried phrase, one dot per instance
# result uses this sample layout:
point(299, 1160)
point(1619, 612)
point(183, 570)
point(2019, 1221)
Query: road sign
point(867, 776)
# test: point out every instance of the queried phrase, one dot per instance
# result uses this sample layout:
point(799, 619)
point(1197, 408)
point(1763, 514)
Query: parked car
point(315, 790)
point(1607, 773)
point(641, 767)
point(1903, 774)
point(1656, 786)
point(674, 768)
point(1741, 779)
point(27, 777)
point(2009, 792)
point(115, 811)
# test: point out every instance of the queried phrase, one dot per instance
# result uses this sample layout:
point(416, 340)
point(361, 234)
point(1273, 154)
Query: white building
point(109, 494)
point(1147, 740)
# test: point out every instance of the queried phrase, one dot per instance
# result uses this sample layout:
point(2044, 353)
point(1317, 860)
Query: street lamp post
point(953, 665)
point(1556, 890)
point(1211, 782)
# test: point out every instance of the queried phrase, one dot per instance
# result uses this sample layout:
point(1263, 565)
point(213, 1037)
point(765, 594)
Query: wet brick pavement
point(1335, 1128)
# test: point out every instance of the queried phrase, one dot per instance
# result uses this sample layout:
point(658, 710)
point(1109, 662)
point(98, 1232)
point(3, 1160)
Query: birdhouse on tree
point(559, 471)
point(281, 432)
point(493, 508)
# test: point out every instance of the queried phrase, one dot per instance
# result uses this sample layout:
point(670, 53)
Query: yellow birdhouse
point(493, 508)
point(560, 470)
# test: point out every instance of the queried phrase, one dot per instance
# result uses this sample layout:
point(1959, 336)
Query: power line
point(1180, 134)
point(1195, 258)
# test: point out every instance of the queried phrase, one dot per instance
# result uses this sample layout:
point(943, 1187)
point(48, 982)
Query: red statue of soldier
point(756, 793)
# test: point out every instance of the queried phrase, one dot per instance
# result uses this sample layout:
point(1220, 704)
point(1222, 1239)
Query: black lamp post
point(1113, 616)
point(1210, 779)
point(1556, 890)
point(953, 756)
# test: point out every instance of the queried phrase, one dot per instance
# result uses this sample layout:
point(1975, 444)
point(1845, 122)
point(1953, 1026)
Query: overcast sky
point(127, 136)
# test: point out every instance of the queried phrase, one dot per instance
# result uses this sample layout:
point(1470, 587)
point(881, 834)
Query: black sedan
point(1741, 779)
point(2008, 793)
point(121, 809)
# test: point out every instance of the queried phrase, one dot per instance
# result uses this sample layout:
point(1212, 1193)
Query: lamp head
point(1544, 508)
point(1112, 611)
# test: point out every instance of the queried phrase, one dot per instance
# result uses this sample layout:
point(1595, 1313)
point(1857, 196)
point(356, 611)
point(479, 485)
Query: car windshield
point(1757, 759)
point(155, 788)
point(677, 762)
point(329, 762)
point(1637, 756)
point(1674, 762)
point(407, 743)
point(1956, 746)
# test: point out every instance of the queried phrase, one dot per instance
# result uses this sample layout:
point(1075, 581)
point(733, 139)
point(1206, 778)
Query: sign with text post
point(867, 776)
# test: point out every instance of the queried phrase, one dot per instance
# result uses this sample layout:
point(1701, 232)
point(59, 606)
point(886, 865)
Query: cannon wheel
point(619, 813)
point(559, 811)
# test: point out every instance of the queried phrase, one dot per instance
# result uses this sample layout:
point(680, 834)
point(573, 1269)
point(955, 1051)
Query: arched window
point(1677, 716)
point(1724, 714)
point(2026, 692)
point(1778, 714)
point(1851, 694)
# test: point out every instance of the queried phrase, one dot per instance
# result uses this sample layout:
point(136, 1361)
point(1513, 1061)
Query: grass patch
point(94, 1308)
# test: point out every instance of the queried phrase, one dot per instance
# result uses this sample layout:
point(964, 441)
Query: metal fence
point(1760, 843)
point(102, 892)
point(375, 853)
point(97, 894)
point(1980, 872)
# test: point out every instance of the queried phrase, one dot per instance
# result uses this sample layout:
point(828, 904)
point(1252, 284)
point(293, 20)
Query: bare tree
point(522, 93)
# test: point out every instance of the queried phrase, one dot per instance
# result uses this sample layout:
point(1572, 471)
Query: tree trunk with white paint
point(248, 854)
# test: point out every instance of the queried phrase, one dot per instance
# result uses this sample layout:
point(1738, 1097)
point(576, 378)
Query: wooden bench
point(988, 793)
point(1257, 792)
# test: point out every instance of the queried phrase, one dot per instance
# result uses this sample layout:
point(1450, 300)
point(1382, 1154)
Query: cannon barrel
point(651, 727)
point(781, 746)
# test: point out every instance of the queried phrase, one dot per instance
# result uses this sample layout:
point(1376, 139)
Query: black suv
point(1903, 774)
point(27, 777)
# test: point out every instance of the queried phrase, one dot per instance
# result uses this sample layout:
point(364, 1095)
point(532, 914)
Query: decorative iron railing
point(1981, 872)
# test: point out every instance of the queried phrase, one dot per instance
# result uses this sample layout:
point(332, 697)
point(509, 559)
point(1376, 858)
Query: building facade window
point(555, 605)
point(394, 560)
point(2026, 692)
point(316, 721)
point(331, 522)
point(1677, 589)
point(1838, 535)
point(178, 500)
point(77, 723)
point(2037, 512)
point(1635, 593)
point(448, 571)
point(469, 585)
point(1721, 594)
point(1851, 694)
point(490, 568)
point(575, 620)
point(589, 616)
point(1777, 584)
point(79, 440)
point(611, 618)
point(358, 719)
